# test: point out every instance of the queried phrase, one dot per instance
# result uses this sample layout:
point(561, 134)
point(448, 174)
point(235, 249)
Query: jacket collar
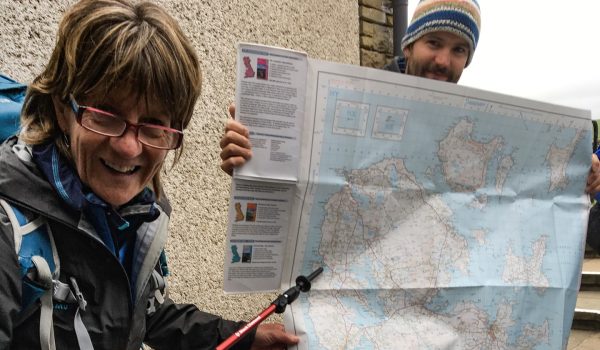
point(398, 64)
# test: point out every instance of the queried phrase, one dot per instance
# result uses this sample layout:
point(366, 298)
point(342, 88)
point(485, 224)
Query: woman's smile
point(122, 169)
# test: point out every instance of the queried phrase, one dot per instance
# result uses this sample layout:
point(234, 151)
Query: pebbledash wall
point(197, 188)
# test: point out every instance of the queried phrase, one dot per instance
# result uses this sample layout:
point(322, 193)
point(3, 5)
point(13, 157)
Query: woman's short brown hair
point(103, 44)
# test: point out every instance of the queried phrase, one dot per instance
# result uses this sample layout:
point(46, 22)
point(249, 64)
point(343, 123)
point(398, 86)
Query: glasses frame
point(80, 109)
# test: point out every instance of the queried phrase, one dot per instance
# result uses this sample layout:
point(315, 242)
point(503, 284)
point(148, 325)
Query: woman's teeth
point(121, 169)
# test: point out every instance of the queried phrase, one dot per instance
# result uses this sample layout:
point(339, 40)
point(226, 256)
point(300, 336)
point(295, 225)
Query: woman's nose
point(127, 144)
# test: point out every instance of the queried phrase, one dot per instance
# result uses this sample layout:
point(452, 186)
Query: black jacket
point(593, 232)
point(112, 319)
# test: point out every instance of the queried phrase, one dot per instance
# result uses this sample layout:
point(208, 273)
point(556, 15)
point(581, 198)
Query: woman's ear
point(62, 110)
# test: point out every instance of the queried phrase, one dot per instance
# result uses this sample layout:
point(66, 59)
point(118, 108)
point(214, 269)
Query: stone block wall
point(376, 27)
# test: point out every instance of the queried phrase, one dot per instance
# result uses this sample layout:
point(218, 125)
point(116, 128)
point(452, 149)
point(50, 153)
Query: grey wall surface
point(197, 188)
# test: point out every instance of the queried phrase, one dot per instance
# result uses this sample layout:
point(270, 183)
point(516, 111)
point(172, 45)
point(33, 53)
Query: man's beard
point(432, 68)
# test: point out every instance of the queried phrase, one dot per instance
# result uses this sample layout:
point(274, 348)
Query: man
point(439, 43)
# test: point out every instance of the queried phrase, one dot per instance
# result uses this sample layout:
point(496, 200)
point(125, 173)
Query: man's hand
point(235, 144)
point(272, 336)
point(593, 179)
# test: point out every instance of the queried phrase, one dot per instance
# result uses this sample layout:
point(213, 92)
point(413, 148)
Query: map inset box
point(350, 118)
point(389, 123)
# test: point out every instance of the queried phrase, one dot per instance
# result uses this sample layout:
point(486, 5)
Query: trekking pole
point(278, 306)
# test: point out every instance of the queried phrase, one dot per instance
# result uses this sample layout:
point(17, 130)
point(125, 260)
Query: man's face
point(437, 55)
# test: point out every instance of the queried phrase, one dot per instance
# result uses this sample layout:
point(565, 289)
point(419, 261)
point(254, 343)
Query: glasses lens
point(102, 123)
point(158, 137)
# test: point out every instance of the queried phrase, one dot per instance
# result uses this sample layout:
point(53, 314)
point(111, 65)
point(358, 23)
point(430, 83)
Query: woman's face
point(115, 168)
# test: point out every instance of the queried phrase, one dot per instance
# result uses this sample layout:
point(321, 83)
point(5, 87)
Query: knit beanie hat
point(460, 17)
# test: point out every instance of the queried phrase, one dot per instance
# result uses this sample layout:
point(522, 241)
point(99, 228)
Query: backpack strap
point(159, 291)
point(63, 294)
point(83, 337)
point(37, 261)
point(40, 269)
point(46, 322)
point(20, 225)
point(158, 283)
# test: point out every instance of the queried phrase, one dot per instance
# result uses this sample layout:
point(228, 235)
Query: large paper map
point(444, 217)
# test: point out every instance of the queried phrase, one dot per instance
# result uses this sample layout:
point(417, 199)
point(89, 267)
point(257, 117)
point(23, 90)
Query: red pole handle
point(235, 337)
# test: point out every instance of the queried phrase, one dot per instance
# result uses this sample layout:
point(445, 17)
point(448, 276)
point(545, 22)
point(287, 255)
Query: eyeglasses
point(108, 124)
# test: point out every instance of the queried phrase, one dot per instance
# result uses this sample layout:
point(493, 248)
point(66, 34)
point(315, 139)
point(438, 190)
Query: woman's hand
point(272, 336)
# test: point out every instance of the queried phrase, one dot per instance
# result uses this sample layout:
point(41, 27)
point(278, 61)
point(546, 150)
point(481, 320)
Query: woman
point(97, 124)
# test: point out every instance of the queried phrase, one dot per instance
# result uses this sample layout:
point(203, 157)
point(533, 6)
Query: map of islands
point(396, 279)
point(439, 224)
